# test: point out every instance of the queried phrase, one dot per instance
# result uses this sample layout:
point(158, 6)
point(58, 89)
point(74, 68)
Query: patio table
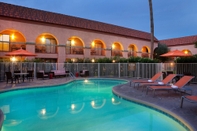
point(21, 74)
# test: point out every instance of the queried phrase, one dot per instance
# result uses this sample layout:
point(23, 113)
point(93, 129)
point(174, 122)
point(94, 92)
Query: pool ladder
point(72, 75)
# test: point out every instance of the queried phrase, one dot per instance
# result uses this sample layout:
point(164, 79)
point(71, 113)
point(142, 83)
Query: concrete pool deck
point(170, 102)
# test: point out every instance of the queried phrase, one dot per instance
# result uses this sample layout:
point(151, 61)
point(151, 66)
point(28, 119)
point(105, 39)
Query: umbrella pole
point(175, 72)
point(20, 64)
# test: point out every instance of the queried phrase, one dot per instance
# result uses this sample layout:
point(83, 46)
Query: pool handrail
point(1, 119)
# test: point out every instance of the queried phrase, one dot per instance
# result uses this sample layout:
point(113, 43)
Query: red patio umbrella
point(20, 53)
point(175, 53)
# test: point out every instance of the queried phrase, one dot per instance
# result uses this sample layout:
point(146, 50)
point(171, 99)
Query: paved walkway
point(164, 100)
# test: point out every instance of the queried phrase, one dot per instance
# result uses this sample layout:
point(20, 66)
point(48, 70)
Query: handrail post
point(99, 70)
point(35, 70)
point(1, 119)
point(119, 69)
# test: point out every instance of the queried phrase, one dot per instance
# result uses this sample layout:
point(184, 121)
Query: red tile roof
point(24, 13)
point(187, 40)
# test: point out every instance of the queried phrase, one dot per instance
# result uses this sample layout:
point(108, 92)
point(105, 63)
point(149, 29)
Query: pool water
point(79, 106)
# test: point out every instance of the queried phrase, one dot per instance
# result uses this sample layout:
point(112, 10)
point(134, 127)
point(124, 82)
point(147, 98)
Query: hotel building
point(57, 37)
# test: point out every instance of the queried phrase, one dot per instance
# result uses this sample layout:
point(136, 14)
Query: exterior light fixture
point(113, 46)
point(12, 36)
point(186, 52)
point(72, 42)
point(93, 44)
point(43, 39)
point(113, 61)
point(93, 60)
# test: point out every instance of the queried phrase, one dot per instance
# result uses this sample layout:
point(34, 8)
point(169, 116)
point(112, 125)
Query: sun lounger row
point(154, 85)
point(178, 86)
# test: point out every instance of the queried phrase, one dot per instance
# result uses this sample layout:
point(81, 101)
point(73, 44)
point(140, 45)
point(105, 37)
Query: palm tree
point(152, 27)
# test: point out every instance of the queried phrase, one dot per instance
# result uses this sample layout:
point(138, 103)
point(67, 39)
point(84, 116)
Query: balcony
point(145, 55)
point(132, 54)
point(17, 46)
point(97, 52)
point(42, 48)
point(74, 50)
point(117, 53)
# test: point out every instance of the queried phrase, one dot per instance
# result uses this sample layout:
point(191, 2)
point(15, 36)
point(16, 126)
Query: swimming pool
point(79, 106)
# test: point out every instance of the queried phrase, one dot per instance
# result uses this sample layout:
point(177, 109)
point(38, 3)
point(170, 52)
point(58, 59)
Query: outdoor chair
point(165, 81)
point(192, 99)
point(42, 74)
point(153, 79)
point(10, 77)
point(18, 77)
point(30, 75)
point(84, 73)
point(178, 86)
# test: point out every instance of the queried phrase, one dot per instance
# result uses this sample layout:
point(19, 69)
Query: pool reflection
point(98, 103)
point(115, 100)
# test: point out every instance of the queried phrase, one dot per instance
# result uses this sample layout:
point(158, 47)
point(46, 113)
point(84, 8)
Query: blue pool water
point(79, 106)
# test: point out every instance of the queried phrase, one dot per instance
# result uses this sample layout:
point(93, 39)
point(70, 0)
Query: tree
point(151, 27)
point(161, 49)
point(195, 44)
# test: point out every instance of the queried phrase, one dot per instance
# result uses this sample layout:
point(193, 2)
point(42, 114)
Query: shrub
point(192, 59)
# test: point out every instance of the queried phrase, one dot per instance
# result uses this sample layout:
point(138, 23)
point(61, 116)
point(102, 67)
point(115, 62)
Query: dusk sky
point(172, 18)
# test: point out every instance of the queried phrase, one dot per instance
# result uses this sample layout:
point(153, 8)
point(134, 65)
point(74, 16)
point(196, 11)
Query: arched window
point(145, 53)
point(74, 46)
point(46, 44)
point(116, 49)
point(97, 48)
point(11, 40)
point(132, 51)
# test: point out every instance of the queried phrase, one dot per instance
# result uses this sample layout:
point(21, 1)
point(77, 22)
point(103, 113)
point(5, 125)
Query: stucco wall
point(32, 30)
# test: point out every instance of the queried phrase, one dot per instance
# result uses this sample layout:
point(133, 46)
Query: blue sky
point(172, 18)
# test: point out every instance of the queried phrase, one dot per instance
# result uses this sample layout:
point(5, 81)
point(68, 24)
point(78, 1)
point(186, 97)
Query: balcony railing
point(97, 51)
point(116, 53)
point(132, 54)
point(11, 46)
point(76, 50)
point(145, 55)
point(16, 46)
point(42, 48)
